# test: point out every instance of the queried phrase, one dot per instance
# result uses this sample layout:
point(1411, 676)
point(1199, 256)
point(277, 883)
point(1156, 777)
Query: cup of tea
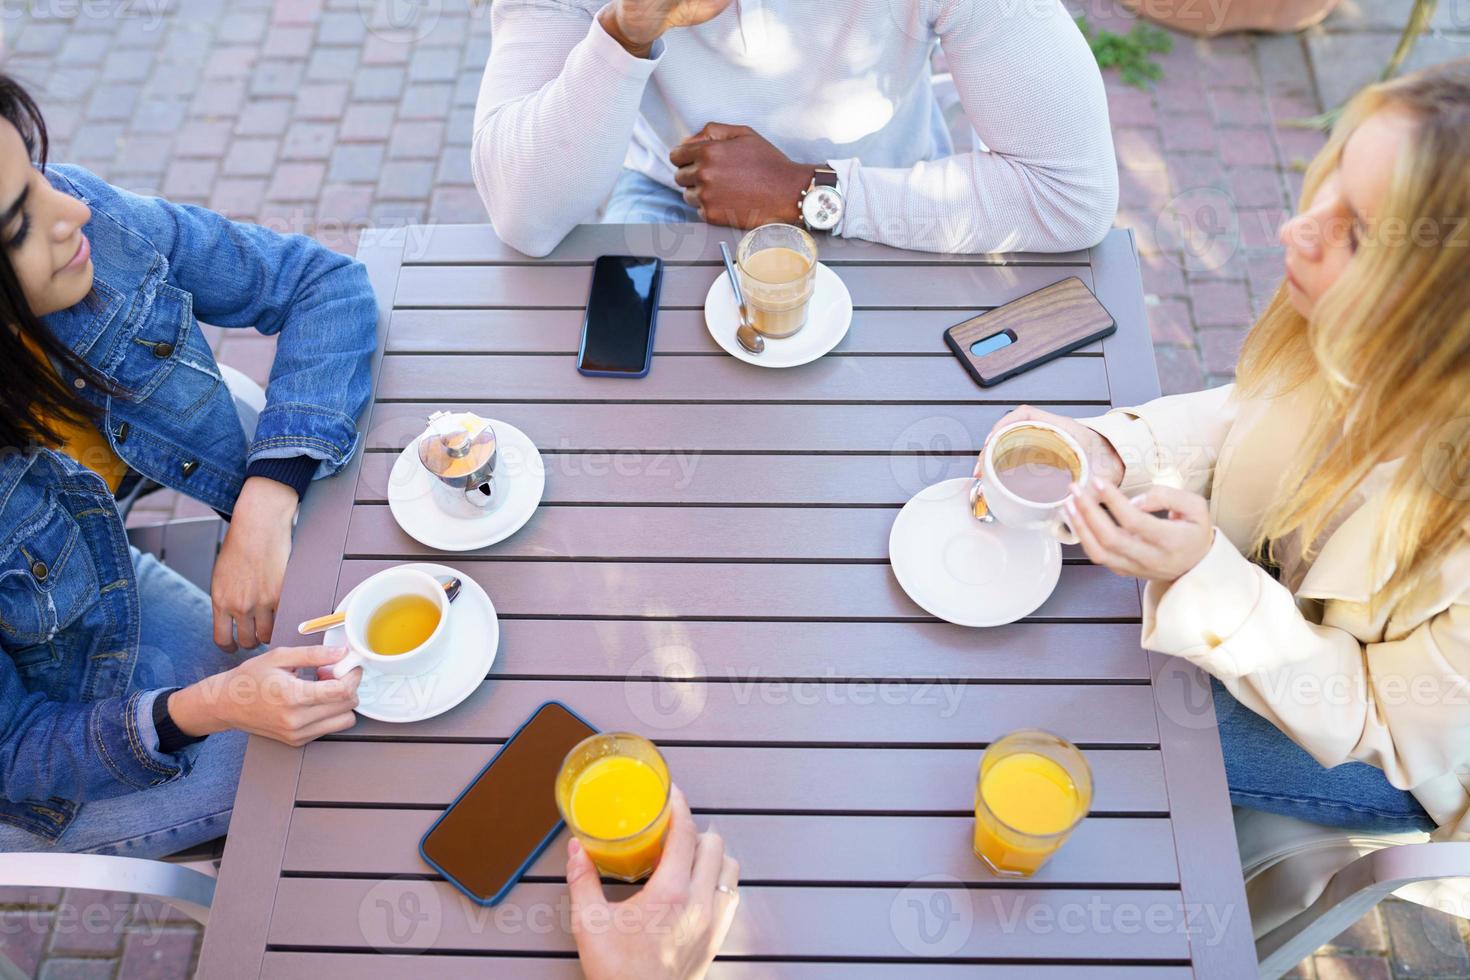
point(395, 623)
point(777, 265)
point(613, 792)
point(1026, 473)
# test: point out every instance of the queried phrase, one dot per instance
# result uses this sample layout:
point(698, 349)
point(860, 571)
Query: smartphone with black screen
point(622, 308)
point(507, 815)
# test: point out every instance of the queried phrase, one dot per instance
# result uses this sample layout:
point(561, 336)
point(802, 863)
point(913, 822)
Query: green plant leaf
point(1129, 53)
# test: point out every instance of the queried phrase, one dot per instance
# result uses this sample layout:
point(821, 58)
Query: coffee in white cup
point(1026, 473)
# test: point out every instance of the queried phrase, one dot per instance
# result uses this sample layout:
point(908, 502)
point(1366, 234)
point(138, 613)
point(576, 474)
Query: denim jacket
point(74, 725)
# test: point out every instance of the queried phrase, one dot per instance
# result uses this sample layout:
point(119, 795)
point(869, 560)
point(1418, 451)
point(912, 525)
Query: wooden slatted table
point(736, 519)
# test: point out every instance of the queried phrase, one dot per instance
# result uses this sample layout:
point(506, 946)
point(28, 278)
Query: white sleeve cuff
point(1134, 441)
point(615, 56)
point(1196, 615)
point(854, 221)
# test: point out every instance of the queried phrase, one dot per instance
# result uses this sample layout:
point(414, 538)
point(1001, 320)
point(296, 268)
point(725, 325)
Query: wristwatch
point(821, 204)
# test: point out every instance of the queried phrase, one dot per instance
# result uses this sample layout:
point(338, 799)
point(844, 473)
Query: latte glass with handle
point(1024, 474)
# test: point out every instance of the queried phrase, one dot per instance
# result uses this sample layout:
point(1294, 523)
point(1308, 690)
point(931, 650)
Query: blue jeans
point(1266, 770)
point(175, 649)
point(637, 200)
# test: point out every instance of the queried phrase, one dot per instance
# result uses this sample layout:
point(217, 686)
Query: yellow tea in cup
point(401, 624)
point(613, 792)
point(1034, 788)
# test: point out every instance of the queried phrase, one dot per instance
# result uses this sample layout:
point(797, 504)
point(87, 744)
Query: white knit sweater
point(563, 108)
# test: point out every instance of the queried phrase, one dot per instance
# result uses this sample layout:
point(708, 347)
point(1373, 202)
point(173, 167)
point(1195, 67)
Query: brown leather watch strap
point(826, 177)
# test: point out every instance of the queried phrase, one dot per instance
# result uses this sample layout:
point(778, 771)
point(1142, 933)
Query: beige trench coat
point(1388, 686)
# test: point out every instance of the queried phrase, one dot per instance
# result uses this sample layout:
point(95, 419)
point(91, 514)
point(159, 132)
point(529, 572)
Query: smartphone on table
point(507, 815)
point(622, 309)
point(1030, 331)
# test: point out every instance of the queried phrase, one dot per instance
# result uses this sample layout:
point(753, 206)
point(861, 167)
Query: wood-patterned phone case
point(1042, 325)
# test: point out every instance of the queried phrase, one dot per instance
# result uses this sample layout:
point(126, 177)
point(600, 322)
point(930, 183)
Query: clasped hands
point(1120, 533)
point(734, 176)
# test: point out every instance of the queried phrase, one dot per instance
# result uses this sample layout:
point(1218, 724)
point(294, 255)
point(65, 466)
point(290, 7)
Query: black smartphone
point(507, 815)
point(622, 309)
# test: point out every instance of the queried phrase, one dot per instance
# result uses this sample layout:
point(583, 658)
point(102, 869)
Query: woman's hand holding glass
point(672, 928)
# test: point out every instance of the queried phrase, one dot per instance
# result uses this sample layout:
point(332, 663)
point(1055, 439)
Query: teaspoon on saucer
point(745, 334)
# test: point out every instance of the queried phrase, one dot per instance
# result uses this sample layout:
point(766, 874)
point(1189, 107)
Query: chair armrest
point(1351, 892)
point(189, 890)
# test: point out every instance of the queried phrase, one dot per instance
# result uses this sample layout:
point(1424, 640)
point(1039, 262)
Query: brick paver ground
point(326, 116)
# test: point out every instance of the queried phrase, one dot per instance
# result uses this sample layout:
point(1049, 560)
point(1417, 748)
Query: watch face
point(822, 208)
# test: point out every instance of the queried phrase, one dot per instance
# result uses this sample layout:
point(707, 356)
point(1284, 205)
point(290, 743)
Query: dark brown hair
point(32, 398)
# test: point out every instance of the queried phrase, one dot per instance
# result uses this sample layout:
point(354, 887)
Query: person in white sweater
point(683, 110)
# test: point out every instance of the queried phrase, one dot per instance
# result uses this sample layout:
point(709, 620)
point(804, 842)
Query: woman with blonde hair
point(1303, 532)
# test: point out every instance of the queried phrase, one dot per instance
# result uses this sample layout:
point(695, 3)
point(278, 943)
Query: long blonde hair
point(1388, 344)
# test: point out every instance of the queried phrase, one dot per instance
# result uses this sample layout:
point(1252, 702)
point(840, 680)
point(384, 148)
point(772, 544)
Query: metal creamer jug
point(459, 451)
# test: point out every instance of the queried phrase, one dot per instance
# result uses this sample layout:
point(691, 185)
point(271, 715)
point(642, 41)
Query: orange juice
point(1033, 789)
point(614, 791)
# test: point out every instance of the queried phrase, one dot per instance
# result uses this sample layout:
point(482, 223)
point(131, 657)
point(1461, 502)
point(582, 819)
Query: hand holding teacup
point(395, 623)
point(1025, 475)
point(1117, 532)
point(1103, 460)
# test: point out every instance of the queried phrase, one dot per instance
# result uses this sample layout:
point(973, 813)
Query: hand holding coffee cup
point(396, 623)
point(1102, 458)
point(1025, 476)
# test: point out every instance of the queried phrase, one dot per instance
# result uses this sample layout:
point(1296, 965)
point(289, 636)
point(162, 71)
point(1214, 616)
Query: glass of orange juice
point(1034, 789)
point(613, 792)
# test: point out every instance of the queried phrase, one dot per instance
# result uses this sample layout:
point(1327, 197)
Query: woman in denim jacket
point(123, 696)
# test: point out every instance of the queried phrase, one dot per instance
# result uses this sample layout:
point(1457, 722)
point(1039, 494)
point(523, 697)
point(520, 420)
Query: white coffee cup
point(1013, 510)
point(367, 598)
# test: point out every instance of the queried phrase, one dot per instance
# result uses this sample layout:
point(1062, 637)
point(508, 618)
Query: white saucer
point(473, 636)
point(520, 479)
point(966, 572)
point(828, 318)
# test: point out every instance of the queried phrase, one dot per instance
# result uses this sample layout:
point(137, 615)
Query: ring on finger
point(722, 887)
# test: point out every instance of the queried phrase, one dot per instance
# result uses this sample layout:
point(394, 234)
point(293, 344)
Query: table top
point(709, 567)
